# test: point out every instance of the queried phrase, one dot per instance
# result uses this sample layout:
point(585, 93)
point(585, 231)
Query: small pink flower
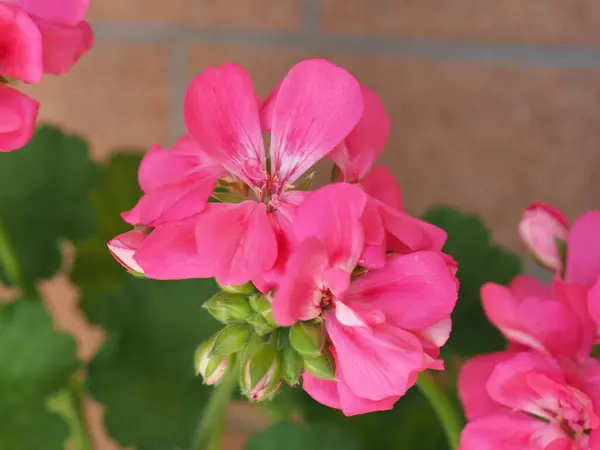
point(542, 225)
point(527, 401)
point(385, 326)
point(124, 246)
point(17, 118)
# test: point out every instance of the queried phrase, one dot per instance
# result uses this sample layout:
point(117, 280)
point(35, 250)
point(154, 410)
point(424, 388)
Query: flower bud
point(227, 307)
point(212, 368)
point(322, 366)
point(260, 324)
point(291, 363)
point(307, 338)
point(124, 246)
point(244, 289)
point(261, 373)
point(544, 232)
point(231, 339)
point(260, 303)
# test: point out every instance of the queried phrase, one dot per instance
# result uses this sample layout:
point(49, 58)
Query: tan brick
point(489, 139)
point(117, 96)
point(531, 21)
point(251, 14)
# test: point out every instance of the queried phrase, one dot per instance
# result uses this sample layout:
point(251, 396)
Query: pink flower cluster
point(543, 392)
point(347, 254)
point(37, 37)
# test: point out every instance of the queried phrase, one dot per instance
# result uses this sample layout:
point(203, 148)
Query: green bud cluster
point(266, 354)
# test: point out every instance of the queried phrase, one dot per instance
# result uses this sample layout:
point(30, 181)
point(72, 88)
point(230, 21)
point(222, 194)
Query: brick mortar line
point(530, 55)
point(177, 80)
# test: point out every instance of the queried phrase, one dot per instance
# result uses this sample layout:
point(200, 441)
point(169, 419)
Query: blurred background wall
point(494, 104)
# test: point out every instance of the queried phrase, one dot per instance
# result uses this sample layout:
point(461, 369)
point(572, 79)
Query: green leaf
point(302, 437)
point(95, 269)
point(44, 191)
point(35, 361)
point(479, 261)
point(144, 373)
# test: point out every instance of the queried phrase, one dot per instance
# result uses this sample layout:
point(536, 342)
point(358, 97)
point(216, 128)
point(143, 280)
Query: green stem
point(209, 434)
point(8, 259)
point(447, 414)
point(69, 404)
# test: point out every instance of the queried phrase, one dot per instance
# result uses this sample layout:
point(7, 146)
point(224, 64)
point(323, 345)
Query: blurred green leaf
point(144, 373)
point(479, 261)
point(44, 191)
point(95, 269)
point(35, 362)
point(304, 437)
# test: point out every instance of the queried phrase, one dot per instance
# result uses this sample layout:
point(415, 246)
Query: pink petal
point(436, 335)
point(333, 214)
point(352, 404)
point(512, 431)
point(378, 363)
point(510, 383)
point(407, 232)
point(323, 391)
point(235, 241)
point(363, 145)
point(21, 44)
point(472, 385)
point(300, 290)
point(381, 185)
point(169, 252)
point(317, 106)
point(17, 118)
point(65, 12)
point(414, 291)
point(63, 45)
point(267, 108)
point(583, 250)
point(529, 286)
point(221, 115)
point(594, 302)
point(125, 245)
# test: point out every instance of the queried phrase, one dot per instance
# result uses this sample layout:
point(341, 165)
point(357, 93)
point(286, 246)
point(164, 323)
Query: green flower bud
point(231, 339)
point(212, 368)
point(244, 289)
point(307, 338)
point(261, 373)
point(291, 363)
point(227, 307)
point(254, 342)
point(260, 324)
point(260, 303)
point(322, 366)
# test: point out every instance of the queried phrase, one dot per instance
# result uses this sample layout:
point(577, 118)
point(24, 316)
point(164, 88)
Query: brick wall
point(494, 104)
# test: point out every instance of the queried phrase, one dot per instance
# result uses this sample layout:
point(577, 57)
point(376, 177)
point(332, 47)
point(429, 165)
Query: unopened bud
point(544, 232)
point(291, 363)
point(231, 339)
point(261, 373)
point(227, 307)
point(260, 324)
point(244, 289)
point(124, 246)
point(260, 303)
point(322, 366)
point(211, 368)
point(307, 338)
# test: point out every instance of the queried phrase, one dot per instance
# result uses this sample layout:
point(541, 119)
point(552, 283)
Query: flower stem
point(447, 414)
point(8, 260)
point(209, 434)
point(69, 404)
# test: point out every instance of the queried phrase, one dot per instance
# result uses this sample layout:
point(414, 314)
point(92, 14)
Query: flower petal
point(414, 291)
point(352, 404)
point(221, 115)
point(235, 241)
point(382, 185)
point(323, 391)
point(317, 106)
point(583, 250)
point(124, 246)
point(529, 286)
point(18, 114)
point(407, 232)
point(363, 145)
point(65, 12)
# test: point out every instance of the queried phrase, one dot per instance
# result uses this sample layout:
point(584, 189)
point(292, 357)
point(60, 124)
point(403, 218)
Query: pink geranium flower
point(389, 227)
point(17, 118)
point(384, 326)
point(313, 109)
point(527, 401)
